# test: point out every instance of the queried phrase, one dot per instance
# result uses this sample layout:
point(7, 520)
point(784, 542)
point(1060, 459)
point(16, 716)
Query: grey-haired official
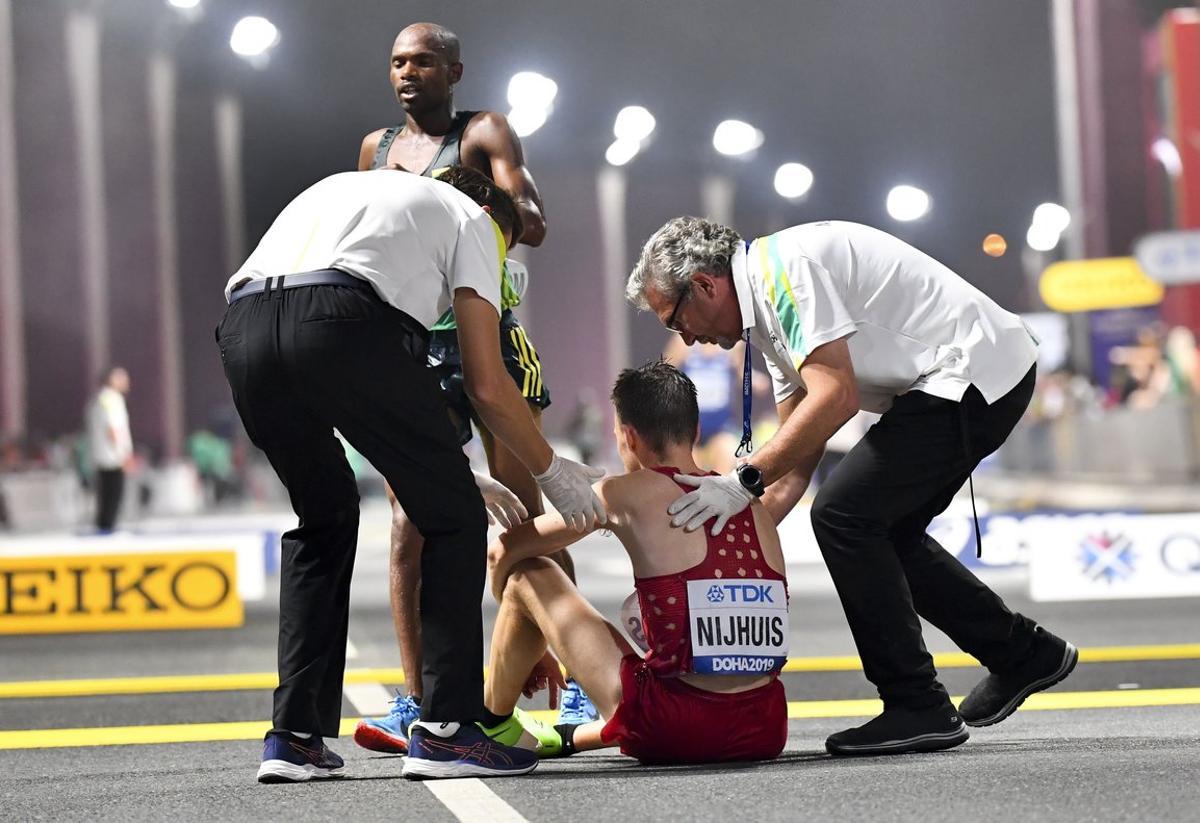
point(848, 317)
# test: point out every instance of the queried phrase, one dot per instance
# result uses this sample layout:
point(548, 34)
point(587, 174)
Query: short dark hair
point(659, 402)
point(484, 191)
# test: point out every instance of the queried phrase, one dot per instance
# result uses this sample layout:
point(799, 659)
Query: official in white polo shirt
point(849, 317)
point(327, 328)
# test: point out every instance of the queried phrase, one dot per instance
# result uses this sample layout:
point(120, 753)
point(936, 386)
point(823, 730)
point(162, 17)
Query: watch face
point(751, 479)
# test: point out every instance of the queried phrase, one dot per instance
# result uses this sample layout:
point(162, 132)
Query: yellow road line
point(169, 684)
point(1045, 701)
point(959, 660)
point(799, 709)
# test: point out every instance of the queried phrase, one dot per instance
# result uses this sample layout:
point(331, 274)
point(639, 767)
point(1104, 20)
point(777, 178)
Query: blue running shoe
point(438, 750)
point(576, 707)
point(290, 759)
point(389, 734)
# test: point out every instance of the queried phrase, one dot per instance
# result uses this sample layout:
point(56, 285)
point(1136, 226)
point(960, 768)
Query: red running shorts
point(664, 720)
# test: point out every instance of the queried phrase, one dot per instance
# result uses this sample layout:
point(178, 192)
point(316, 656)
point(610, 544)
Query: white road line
point(368, 699)
point(470, 801)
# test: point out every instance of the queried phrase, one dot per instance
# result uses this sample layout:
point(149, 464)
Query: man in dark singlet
point(713, 610)
point(425, 66)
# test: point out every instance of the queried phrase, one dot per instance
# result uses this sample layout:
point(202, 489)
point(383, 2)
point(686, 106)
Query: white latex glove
point(568, 485)
point(502, 505)
point(720, 497)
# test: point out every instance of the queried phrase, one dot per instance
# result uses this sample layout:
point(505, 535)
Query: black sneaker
point(440, 750)
point(898, 731)
point(290, 759)
point(1000, 693)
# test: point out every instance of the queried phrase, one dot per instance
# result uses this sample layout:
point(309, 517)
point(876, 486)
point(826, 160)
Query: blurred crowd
point(1161, 365)
point(222, 469)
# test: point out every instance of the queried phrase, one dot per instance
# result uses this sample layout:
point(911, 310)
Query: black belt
point(324, 277)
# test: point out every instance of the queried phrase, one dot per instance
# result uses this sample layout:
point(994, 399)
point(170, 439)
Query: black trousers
point(870, 520)
point(110, 488)
point(302, 362)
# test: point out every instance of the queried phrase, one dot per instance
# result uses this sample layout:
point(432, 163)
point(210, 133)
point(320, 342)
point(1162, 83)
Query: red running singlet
point(737, 603)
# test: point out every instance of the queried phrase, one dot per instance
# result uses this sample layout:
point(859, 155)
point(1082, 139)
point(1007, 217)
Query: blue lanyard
point(746, 446)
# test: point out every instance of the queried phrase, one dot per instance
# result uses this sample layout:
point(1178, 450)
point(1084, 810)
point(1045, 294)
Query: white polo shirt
point(911, 323)
point(109, 439)
point(413, 238)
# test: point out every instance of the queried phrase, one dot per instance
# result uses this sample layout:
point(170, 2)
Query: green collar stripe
point(779, 290)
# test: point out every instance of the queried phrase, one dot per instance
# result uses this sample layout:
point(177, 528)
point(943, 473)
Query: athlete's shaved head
point(435, 37)
point(425, 67)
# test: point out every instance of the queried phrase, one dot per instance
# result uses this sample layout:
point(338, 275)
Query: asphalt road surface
point(166, 726)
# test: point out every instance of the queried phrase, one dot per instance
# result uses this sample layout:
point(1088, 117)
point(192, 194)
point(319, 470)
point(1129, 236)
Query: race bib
point(631, 623)
point(738, 627)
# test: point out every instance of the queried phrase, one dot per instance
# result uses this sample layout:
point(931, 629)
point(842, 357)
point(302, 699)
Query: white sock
point(437, 729)
point(301, 735)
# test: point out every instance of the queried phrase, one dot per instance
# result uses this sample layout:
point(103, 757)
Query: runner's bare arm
point(549, 533)
point(366, 152)
point(491, 133)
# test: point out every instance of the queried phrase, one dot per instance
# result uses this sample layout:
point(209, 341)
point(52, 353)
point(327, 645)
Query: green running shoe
point(526, 732)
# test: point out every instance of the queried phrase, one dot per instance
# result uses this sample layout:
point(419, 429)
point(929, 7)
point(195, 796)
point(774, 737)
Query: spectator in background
point(716, 373)
point(213, 457)
point(1139, 371)
point(1182, 362)
point(110, 444)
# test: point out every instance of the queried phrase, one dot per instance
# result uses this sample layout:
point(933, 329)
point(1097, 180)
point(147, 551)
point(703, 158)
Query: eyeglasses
point(671, 323)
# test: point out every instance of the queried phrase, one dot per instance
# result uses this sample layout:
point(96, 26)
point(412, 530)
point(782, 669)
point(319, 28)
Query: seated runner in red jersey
point(713, 609)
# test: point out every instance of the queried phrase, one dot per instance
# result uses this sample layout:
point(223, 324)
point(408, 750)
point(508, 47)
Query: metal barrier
point(1156, 445)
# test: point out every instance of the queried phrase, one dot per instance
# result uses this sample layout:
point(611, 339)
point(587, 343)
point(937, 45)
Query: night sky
point(952, 96)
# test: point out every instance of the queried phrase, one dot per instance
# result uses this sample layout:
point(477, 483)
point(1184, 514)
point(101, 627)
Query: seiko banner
point(95, 592)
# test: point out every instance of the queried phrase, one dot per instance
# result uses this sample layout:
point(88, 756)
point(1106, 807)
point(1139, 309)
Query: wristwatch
point(751, 479)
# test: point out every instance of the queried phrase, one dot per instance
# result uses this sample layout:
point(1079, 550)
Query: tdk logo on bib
point(738, 628)
point(741, 593)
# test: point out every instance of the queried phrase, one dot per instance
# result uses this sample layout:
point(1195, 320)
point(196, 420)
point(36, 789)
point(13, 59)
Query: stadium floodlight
point(634, 123)
point(905, 203)
point(736, 138)
point(1167, 153)
point(622, 151)
point(1042, 237)
point(530, 90)
point(253, 37)
point(184, 4)
point(531, 96)
point(793, 180)
point(1052, 217)
point(525, 121)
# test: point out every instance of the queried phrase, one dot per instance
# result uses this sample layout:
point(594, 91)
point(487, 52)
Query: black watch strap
point(751, 479)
